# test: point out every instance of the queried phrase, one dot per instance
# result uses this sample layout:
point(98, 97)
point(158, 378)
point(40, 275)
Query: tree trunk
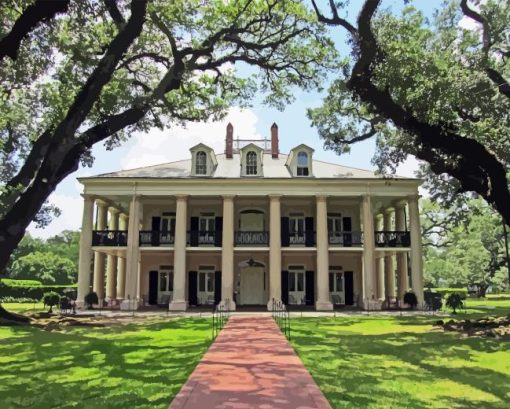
point(482, 291)
point(11, 316)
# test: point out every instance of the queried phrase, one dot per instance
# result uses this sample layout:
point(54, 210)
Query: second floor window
point(302, 164)
point(251, 163)
point(201, 163)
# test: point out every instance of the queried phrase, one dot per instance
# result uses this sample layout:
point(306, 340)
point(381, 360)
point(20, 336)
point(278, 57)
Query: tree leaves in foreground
point(427, 89)
point(105, 69)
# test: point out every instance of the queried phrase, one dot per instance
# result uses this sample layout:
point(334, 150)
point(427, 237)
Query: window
point(251, 163)
point(296, 285)
point(336, 281)
point(201, 163)
point(297, 228)
point(302, 164)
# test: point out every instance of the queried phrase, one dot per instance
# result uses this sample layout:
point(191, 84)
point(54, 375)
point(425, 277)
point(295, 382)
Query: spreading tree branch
point(34, 14)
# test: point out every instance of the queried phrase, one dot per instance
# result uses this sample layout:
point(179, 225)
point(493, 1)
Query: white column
point(130, 300)
point(275, 250)
point(379, 263)
point(121, 262)
point(99, 258)
point(111, 261)
point(368, 251)
point(389, 270)
point(402, 274)
point(85, 250)
point(227, 252)
point(416, 248)
point(179, 300)
point(323, 302)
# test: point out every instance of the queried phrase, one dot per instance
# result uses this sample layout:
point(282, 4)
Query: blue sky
point(173, 144)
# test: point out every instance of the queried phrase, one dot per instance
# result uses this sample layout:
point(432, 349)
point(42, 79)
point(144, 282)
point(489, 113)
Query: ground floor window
point(297, 286)
point(336, 286)
point(206, 286)
point(165, 286)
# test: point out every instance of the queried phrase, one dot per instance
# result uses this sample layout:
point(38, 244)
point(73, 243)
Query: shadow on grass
point(135, 366)
point(381, 362)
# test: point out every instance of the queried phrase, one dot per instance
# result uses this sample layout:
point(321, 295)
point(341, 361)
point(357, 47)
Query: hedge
point(446, 291)
point(33, 289)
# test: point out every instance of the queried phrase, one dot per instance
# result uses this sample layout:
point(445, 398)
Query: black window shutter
point(192, 287)
point(347, 227)
point(349, 288)
point(217, 287)
point(285, 231)
point(285, 287)
point(156, 223)
point(153, 287)
point(218, 227)
point(310, 288)
point(309, 236)
point(193, 235)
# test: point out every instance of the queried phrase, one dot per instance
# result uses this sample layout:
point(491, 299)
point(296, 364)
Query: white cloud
point(408, 168)
point(173, 144)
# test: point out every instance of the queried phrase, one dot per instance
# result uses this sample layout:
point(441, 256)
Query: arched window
point(251, 163)
point(201, 163)
point(302, 164)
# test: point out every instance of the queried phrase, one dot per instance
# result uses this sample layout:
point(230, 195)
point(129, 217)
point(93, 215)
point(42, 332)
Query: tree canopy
point(432, 89)
point(97, 71)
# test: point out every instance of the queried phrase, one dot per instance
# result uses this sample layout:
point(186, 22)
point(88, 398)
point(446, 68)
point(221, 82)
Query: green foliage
point(447, 291)
point(9, 282)
point(91, 299)
point(51, 299)
point(455, 301)
point(410, 299)
point(467, 253)
point(48, 268)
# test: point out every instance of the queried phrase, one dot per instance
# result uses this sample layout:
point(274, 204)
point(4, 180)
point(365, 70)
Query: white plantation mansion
point(249, 226)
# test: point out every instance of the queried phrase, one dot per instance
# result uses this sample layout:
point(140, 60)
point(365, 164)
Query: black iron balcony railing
point(204, 238)
point(300, 238)
point(156, 238)
point(346, 238)
point(251, 238)
point(109, 238)
point(392, 239)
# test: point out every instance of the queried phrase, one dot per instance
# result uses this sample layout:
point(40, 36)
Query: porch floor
point(250, 365)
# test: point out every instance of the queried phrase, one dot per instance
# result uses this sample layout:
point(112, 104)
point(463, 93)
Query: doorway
point(253, 286)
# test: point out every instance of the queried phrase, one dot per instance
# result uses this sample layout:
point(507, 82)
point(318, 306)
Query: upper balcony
point(392, 239)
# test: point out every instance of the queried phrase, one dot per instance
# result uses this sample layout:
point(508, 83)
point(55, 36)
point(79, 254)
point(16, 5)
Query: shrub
point(50, 299)
point(447, 291)
point(21, 300)
point(410, 299)
point(19, 289)
point(455, 301)
point(91, 299)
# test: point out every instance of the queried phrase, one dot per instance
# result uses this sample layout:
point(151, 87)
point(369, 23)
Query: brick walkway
point(250, 365)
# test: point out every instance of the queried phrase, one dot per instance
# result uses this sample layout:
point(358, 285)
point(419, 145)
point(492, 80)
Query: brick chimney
point(274, 141)
point(229, 141)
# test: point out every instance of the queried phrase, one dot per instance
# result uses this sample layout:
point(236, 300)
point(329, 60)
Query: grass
point(404, 362)
point(135, 366)
point(24, 307)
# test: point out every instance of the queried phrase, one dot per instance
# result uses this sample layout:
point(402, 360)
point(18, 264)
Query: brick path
point(251, 365)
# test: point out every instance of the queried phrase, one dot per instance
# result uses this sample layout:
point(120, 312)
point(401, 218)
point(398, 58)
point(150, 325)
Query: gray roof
point(231, 168)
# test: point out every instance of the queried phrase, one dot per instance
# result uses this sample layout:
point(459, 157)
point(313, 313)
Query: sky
point(173, 144)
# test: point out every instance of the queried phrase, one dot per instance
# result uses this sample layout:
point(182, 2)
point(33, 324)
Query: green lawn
point(133, 366)
point(402, 362)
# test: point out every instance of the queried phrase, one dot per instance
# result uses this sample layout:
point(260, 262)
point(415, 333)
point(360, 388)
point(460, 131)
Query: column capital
point(321, 197)
point(274, 196)
point(181, 197)
point(102, 204)
point(413, 198)
point(228, 197)
point(114, 211)
point(388, 211)
point(400, 204)
point(88, 196)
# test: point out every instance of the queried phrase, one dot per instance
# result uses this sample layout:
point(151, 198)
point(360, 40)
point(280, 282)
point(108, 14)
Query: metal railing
point(220, 316)
point(281, 316)
point(114, 238)
point(346, 238)
point(202, 237)
point(251, 238)
point(156, 238)
point(392, 239)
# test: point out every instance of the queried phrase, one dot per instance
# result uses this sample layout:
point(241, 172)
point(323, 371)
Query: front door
point(207, 226)
point(252, 286)
point(297, 287)
point(336, 287)
point(165, 286)
point(205, 287)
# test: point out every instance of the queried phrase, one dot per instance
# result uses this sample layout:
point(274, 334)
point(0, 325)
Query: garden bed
point(493, 327)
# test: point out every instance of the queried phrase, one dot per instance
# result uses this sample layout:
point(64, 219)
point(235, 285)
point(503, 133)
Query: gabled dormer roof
point(251, 147)
point(294, 151)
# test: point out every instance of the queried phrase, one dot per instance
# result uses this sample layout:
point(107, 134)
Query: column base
point(372, 305)
point(129, 305)
point(230, 306)
point(324, 306)
point(112, 302)
point(81, 305)
point(178, 306)
point(270, 303)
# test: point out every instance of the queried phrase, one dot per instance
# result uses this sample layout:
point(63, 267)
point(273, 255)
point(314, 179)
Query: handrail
point(345, 238)
point(390, 238)
point(243, 237)
point(220, 316)
point(281, 316)
point(113, 238)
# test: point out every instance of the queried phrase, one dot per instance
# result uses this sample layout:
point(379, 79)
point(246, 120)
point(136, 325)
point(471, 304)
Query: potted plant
point(411, 299)
point(50, 299)
point(455, 301)
point(91, 299)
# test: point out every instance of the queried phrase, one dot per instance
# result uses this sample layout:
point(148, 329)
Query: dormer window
point(251, 163)
point(201, 163)
point(302, 164)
